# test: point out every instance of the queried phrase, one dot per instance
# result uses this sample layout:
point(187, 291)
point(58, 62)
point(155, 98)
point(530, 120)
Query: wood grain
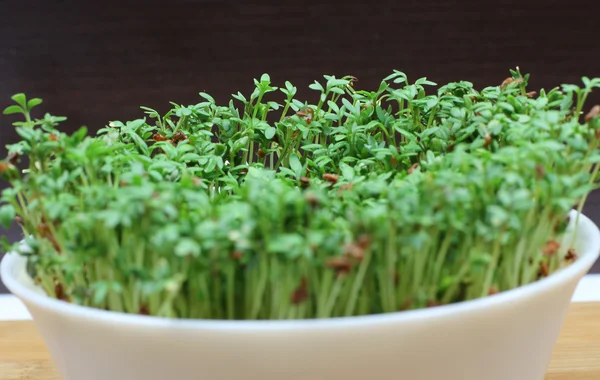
point(23, 355)
point(577, 353)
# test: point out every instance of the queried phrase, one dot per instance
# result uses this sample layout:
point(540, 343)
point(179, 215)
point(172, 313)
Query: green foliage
point(366, 202)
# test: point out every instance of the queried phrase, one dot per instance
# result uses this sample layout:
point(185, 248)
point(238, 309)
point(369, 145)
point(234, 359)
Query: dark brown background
point(98, 62)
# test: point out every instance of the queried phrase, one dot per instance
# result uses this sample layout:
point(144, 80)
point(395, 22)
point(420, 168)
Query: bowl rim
point(587, 230)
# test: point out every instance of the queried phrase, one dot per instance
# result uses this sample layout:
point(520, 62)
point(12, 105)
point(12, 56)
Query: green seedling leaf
point(7, 215)
point(33, 102)
point(295, 165)
point(270, 132)
point(10, 110)
point(20, 99)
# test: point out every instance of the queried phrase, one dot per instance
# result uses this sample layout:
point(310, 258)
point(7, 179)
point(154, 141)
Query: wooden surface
point(23, 355)
point(99, 61)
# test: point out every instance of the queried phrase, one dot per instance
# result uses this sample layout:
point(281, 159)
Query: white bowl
point(508, 336)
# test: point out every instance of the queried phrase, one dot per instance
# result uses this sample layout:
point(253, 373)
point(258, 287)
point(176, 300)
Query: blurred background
point(99, 61)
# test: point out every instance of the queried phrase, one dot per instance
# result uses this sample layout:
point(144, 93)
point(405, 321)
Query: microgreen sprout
point(269, 207)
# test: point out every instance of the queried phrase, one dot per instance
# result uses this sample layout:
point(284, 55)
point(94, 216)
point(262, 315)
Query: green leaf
point(424, 81)
point(398, 77)
point(540, 102)
point(498, 216)
point(430, 156)
point(255, 93)
point(340, 137)
point(240, 144)
point(5, 245)
point(7, 215)
point(270, 132)
point(33, 102)
point(289, 90)
point(347, 171)
point(80, 134)
point(183, 111)
point(265, 78)
point(295, 164)
point(287, 172)
point(150, 112)
point(480, 259)
point(187, 157)
point(211, 165)
point(207, 97)
point(382, 87)
point(336, 82)
point(12, 110)
point(285, 244)
point(570, 88)
point(322, 161)
point(506, 106)
point(219, 161)
point(185, 148)
point(334, 107)
point(26, 133)
point(111, 218)
point(20, 99)
point(316, 86)
point(187, 247)
point(312, 147)
point(100, 290)
point(220, 149)
point(155, 175)
point(429, 132)
point(169, 149)
point(135, 124)
point(349, 106)
point(139, 142)
point(240, 97)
